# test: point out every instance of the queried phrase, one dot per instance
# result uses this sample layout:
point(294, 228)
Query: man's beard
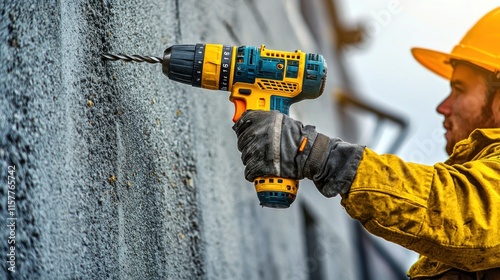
point(485, 120)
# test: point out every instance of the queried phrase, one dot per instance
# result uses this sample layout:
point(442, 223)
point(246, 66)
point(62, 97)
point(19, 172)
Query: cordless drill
point(258, 79)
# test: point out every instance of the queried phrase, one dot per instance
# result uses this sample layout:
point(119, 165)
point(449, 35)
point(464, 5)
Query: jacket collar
point(475, 146)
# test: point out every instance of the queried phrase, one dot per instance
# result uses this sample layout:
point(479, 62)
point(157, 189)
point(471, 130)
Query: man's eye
point(458, 90)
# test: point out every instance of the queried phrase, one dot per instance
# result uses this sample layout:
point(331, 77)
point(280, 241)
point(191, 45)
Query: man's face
point(468, 106)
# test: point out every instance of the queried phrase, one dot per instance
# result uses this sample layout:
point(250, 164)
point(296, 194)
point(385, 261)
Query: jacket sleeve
point(450, 213)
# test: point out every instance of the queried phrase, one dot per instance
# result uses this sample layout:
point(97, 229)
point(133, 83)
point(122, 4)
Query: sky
point(385, 72)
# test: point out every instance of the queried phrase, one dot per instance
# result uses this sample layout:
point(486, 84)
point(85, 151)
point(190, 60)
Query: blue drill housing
point(252, 65)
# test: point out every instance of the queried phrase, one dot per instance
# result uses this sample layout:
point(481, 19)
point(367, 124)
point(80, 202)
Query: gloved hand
point(273, 144)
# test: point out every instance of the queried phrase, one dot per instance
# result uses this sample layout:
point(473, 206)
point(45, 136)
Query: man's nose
point(444, 108)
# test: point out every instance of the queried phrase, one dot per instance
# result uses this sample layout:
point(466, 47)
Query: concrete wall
point(72, 123)
point(123, 174)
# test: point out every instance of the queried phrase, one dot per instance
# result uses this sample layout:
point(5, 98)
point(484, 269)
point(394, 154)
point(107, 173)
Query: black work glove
point(272, 144)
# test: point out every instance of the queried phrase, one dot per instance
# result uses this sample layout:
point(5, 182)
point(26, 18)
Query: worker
point(448, 212)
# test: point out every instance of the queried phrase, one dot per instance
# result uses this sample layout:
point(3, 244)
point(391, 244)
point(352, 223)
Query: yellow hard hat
point(480, 46)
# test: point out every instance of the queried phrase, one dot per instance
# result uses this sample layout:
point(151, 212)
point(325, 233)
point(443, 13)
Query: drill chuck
point(179, 64)
point(200, 65)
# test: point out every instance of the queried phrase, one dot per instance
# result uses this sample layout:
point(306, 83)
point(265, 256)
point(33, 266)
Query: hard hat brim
point(437, 62)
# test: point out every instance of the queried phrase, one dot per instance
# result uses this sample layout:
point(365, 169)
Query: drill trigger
point(240, 106)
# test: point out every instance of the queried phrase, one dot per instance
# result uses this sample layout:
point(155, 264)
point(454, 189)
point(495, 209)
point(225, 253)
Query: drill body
point(257, 78)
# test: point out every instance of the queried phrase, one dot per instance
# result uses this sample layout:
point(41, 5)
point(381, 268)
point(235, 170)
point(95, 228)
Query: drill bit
point(134, 57)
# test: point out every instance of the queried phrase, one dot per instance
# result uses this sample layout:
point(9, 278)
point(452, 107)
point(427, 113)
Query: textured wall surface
point(103, 153)
point(123, 174)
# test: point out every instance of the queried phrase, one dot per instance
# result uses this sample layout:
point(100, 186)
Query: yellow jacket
point(449, 213)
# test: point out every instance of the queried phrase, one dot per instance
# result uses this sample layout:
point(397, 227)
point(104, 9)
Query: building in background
point(123, 174)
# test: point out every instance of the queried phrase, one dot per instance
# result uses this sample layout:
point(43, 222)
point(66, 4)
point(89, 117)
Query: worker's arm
point(450, 213)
